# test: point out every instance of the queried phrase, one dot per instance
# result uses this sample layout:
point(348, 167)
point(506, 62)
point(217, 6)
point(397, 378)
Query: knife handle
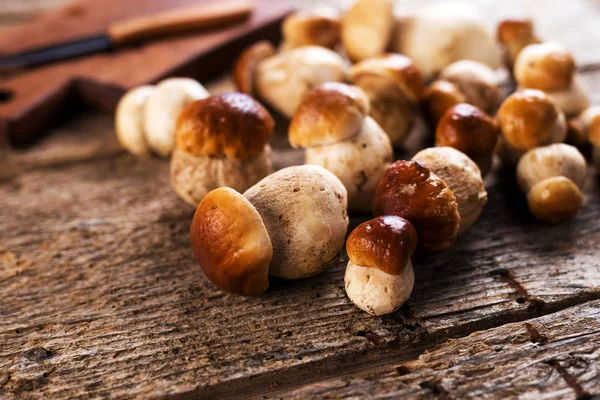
point(206, 16)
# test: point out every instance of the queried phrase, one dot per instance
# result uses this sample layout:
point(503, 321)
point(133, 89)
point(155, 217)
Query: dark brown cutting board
point(32, 100)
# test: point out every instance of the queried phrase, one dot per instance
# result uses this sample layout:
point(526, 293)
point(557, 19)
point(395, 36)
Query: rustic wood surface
point(100, 297)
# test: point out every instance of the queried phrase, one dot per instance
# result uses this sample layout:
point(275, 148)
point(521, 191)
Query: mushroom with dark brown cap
point(304, 209)
point(516, 34)
point(552, 177)
point(379, 276)
point(394, 86)
point(470, 130)
point(367, 28)
point(528, 119)
point(318, 26)
point(332, 123)
point(438, 98)
point(220, 141)
point(230, 243)
point(410, 190)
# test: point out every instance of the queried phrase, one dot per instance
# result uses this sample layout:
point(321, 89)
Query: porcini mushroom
point(394, 86)
point(318, 26)
point(129, 120)
point(220, 141)
point(516, 34)
point(590, 120)
point(367, 28)
point(283, 79)
point(436, 35)
point(162, 109)
point(230, 243)
point(304, 209)
point(552, 177)
point(410, 190)
point(470, 130)
point(332, 123)
point(463, 178)
point(528, 119)
point(379, 277)
point(244, 67)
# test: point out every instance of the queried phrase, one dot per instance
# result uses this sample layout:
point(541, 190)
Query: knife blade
point(123, 33)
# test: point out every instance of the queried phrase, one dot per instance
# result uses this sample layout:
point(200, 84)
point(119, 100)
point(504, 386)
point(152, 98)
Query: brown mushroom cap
point(398, 68)
point(330, 113)
point(528, 119)
point(230, 243)
point(516, 34)
point(555, 200)
point(245, 65)
point(385, 242)
point(233, 124)
point(468, 129)
point(318, 26)
point(409, 190)
point(545, 66)
point(590, 119)
point(439, 97)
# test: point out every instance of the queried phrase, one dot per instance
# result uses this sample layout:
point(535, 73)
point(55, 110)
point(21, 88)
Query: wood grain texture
point(100, 296)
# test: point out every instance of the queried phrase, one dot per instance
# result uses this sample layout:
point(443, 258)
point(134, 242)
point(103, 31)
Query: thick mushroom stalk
point(221, 141)
point(551, 68)
point(394, 86)
point(380, 277)
point(367, 28)
point(553, 177)
point(528, 119)
point(410, 190)
point(333, 125)
point(439, 34)
point(283, 79)
point(304, 209)
point(470, 130)
point(463, 178)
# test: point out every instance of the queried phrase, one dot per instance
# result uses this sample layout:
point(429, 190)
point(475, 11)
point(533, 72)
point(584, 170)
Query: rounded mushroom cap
point(359, 162)
point(544, 66)
point(244, 67)
point(233, 124)
point(572, 100)
point(463, 178)
point(230, 243)
point(409, 190)
point(516, 34)
point(545, 162)
point(305, 211)
point(591, 124)
point(162, 109)
point(376, 292)
point(192, 177)
point(530, 119)
point(439, 97)
point(385, 243)
point(285, 78)
point(329, 113)
point(397, 68)
point(468, 129)
point(443, 32)
point(367, 28)
point(129, 120)
point(319, 26)
point(477, 81)
point(555, 200)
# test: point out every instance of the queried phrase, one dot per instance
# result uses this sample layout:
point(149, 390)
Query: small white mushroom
point(129, 120)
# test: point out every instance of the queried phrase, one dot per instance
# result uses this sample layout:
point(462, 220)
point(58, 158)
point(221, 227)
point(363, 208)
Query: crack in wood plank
point(580, 393)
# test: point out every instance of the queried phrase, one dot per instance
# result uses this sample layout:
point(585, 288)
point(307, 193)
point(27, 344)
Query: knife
point(122, 33)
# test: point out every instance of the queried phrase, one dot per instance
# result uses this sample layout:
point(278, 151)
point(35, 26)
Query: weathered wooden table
point(100, 296)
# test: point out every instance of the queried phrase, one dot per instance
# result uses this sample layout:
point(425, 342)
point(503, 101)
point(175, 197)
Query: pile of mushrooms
point(353, 85)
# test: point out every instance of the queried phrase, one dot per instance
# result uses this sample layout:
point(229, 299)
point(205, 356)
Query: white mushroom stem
point(375, 291)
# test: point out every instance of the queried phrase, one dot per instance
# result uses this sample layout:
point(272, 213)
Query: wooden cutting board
point(33, 100)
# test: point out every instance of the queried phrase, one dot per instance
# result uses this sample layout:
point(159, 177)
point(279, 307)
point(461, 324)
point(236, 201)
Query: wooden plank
point(97, 270)
point(553, 357)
